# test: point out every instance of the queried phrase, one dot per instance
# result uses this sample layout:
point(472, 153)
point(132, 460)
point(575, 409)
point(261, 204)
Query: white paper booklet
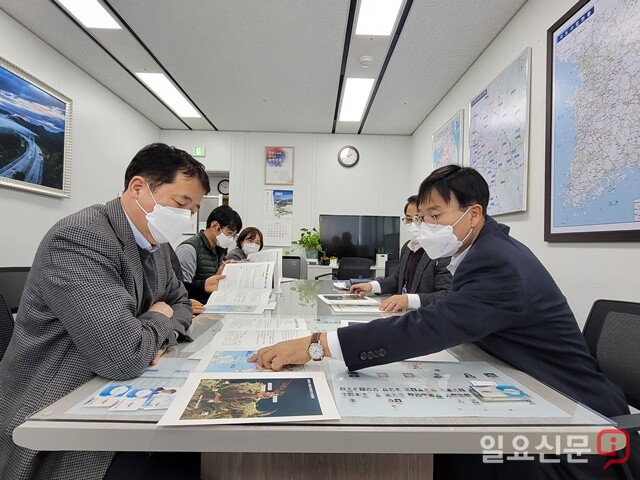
point(347, 299)
point(246, 288)
point(271, 255)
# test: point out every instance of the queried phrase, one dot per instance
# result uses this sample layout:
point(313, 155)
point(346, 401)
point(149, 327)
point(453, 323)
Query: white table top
point(348, 435)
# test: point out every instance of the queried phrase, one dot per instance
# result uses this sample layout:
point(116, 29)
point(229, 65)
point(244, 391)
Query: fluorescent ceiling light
point(377, 17)
point(90, 13)
point(354, 100)
point(169, 94)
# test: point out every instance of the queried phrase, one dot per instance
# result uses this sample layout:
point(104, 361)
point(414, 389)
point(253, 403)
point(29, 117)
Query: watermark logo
point(609, 442)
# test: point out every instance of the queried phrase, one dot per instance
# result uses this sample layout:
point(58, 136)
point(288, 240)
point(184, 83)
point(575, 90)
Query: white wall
point(584, 271)
point(377, 185)
point(106, 135)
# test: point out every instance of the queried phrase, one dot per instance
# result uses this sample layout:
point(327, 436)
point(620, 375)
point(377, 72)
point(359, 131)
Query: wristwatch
point(316, 351)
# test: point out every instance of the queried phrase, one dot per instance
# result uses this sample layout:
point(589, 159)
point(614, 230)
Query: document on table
point(357, 309)
point(143, 398)
point(418, 389)
point(347, 299)
point(261, 397)
point(247, 340)
point(228, 361)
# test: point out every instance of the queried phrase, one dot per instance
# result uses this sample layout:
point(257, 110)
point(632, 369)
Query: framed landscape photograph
point(35, 134)
point(592, 174)
point(278, 168)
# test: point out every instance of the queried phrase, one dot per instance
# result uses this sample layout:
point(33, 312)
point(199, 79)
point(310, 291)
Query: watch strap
point(315, 338)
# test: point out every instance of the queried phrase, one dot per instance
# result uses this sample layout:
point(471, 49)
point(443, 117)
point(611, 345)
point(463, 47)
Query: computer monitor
point(359, 235)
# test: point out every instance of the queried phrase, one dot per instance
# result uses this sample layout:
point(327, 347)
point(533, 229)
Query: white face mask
point(249, 247)
point(412, 232)
point(166, 224)
point(440, 241)
point(223, 241)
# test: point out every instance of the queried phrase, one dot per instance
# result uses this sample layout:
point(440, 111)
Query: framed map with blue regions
point(592, 175)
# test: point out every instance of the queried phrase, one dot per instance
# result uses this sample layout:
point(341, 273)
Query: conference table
point(353, 447)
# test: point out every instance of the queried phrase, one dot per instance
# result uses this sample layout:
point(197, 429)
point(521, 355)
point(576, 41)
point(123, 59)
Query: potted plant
point(310, 241)
point(382, 255)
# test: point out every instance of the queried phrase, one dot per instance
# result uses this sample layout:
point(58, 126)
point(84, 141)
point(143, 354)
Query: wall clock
point(348, 156)
point(223, 187)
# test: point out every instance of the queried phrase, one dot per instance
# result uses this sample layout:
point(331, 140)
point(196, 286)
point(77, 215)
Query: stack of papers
point(347, 299)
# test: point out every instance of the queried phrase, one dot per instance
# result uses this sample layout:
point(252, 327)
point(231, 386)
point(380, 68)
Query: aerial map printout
point(498, 136)
point(595, 166)
point(447, 142)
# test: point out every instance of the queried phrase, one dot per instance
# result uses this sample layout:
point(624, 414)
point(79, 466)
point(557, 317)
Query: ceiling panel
point(47, 21)
point(439, 42)
point(274, 65)
point(251, 65)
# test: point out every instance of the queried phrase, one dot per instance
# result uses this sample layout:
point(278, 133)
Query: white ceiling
point(275, 65)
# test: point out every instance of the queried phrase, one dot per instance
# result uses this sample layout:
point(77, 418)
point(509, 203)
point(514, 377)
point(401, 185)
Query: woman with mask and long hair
point(249, 241)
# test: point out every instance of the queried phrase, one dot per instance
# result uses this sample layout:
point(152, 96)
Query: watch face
point(223, 187)
point(348, 156)
point(316, 352)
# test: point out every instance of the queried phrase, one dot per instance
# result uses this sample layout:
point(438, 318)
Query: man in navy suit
point(502, 299)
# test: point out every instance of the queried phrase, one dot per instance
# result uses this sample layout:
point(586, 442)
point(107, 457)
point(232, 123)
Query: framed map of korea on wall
point(35, 134)
point(592, 185)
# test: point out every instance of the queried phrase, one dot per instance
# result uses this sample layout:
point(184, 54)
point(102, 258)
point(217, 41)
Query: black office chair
point(6, 325)
point(292, 266)
point(391, 267)
point(12, 281)
point(612, 333)
point(350, 268)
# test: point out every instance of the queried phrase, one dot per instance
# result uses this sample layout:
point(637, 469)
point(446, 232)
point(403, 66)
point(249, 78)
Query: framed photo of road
point(35, 134)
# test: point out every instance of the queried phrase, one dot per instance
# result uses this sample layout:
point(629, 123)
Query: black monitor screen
point(359, 235)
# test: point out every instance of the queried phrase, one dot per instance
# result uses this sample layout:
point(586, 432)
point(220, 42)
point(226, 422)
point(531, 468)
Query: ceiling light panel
point(377, 17)
point(169, 94)
point(90, 13)
point(354, 100)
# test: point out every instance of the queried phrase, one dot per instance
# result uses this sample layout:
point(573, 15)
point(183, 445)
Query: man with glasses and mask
point(418, 280)
point(201, 256)
point(503, 300)
point(101, 299)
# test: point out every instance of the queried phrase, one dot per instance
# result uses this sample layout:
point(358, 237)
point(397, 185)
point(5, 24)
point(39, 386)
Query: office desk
point(353, 447)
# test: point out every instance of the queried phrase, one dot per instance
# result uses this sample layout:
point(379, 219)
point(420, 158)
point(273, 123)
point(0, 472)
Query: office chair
point(391, 267)
point(612, 333)
point(292, 266)
point(6, 325)
point(351, 267)
point(12, 280)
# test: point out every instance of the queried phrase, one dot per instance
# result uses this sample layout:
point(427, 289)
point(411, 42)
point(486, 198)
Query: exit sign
point(199, 151)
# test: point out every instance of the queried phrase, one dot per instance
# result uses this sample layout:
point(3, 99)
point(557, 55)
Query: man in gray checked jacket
point(101, 299)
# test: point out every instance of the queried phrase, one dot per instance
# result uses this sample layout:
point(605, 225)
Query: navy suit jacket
point(503, 300)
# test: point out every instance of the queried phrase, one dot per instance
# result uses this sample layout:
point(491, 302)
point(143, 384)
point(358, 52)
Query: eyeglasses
point(230, 233)
point(429, 220)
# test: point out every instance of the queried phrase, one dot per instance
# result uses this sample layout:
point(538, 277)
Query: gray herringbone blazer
point(81, 315)
point(431, 281)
